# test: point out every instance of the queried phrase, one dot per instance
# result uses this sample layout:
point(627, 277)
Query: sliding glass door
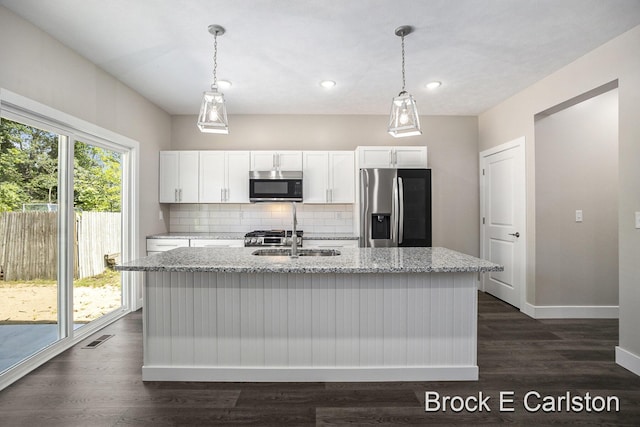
point(29, 217)
point(65, 207)
point(97, 202)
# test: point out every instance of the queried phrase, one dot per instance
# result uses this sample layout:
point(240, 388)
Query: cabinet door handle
point(226, 197)
point(175, 195)
point(331, 195)
point(222, 194)
point(180, 194)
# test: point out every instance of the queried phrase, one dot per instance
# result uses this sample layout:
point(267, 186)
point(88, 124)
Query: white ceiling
point(276, 51)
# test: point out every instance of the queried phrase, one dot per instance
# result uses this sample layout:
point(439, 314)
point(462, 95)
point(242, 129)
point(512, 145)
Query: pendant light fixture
point(213, 112)
point(404, 120)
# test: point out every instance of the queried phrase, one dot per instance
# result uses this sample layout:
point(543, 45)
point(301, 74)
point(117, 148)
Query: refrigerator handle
point(394, 212)
point(365, 226)
point(401, 213)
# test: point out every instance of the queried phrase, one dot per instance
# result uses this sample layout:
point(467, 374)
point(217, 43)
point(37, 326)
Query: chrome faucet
point(294, 232)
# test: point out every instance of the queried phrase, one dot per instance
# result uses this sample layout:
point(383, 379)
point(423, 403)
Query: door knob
point(516, 234)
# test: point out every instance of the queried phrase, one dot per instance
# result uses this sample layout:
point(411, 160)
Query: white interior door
point(502, 195)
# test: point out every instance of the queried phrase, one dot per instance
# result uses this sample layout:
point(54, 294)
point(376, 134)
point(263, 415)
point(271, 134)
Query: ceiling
point(275, 52)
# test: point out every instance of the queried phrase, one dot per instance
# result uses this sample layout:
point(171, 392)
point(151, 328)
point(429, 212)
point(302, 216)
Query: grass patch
point(36, 282)
point(107, 278)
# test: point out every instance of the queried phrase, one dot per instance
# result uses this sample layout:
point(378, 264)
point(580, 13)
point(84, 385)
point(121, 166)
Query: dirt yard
point(38, 303)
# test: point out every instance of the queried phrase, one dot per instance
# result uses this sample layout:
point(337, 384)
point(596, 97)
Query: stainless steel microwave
point(275, 186)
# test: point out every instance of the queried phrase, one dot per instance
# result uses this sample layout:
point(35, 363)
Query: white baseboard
point(628, 360)
point(571, 311)
point(355, 374)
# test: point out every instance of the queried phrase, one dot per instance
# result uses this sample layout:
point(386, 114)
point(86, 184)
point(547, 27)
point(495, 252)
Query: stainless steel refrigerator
point(395, 207)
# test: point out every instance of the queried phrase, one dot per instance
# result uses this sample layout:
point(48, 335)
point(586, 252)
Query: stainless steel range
point(271, 238)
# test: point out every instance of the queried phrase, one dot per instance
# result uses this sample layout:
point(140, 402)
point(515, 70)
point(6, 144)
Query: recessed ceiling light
point(224, 84)
point(433, 85)
point(327, 84)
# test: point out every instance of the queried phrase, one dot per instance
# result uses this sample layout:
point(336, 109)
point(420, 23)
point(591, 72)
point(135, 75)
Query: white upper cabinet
point(213, 179)
point(342, 174)
point(315, 174)
point(328, 177)
point(281, 160)
point(410, 157)
point(178, 177)
point(224, 177)
point(392, 157)
point(238, 176)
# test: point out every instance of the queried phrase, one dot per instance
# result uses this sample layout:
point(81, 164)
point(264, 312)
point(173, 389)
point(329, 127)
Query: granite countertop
point(329, 236)
point(351, 260)
point(240, 236)
point(191, 236)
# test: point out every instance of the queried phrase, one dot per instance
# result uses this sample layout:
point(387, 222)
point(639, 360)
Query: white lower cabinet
point(217, 243)
point(329, 244)
point(155, 246)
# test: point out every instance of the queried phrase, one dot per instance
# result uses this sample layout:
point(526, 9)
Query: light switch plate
point(579, 216)
point(637, 219)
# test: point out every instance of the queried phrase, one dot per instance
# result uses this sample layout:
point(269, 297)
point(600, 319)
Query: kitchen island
point(368, 314)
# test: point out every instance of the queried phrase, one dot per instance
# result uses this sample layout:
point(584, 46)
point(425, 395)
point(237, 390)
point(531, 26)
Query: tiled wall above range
point(242, 217)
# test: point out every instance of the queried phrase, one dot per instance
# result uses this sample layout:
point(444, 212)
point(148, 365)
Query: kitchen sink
point(301, 252)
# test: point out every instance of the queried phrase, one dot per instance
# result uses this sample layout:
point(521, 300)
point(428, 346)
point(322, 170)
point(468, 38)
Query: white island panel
point(216, 326)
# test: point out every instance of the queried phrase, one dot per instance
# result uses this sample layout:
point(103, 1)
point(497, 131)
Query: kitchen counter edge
point(240, 236)
point(351, 260)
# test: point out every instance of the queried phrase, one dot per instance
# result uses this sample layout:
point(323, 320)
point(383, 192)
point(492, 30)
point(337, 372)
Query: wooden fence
point(28, 244)
point(97, 235)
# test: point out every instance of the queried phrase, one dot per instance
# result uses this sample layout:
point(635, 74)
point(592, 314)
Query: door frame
point(515, 143)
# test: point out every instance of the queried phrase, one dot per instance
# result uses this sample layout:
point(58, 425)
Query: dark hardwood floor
point(102, 386)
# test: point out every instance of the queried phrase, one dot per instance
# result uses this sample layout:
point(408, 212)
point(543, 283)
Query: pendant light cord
point(215, 58)
point(402, 37)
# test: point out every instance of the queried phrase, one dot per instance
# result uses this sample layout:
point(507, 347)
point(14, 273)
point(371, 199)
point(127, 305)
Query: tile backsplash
point(243, 217)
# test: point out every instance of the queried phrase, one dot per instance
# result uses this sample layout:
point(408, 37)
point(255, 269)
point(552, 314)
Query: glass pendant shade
point(213, 113)
point(404, 120)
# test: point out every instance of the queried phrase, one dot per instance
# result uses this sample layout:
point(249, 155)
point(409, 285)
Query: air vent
point(97, 341)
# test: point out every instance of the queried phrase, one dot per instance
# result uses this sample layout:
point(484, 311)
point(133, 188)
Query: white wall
point(36, 66)
point(617, 59)
point(451, 144)
point(577, 161)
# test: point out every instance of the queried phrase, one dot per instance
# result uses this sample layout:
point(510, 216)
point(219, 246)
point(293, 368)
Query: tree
point(28, 165)
point(29, 170)
point(97, 178)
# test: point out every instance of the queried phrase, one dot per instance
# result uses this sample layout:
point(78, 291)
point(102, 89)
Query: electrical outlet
point(579, 216)
point(638, 220)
